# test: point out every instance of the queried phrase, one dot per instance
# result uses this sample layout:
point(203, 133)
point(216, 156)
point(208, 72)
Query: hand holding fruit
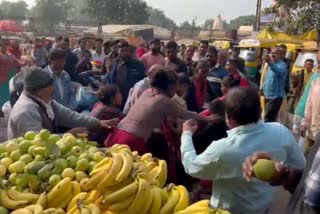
point(76, 131)
point(261, 166)
point(109, 123)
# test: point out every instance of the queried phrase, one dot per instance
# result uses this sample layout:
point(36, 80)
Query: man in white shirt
point(98, 55)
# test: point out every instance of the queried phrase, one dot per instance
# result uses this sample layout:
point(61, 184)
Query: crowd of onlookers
point(195, 107)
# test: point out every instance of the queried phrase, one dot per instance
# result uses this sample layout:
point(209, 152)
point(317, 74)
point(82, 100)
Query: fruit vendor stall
point(48, 173)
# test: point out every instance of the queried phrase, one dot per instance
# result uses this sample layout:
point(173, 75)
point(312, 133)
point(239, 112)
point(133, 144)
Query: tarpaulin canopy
point(280, 36)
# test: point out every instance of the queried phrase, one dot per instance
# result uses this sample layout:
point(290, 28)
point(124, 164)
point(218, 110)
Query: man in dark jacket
point(125, 71)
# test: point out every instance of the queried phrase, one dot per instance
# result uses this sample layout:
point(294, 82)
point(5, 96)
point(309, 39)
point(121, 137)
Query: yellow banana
point(150, 165)
point(171, 203)
point(61, 200)
point(99, 175)
point(21, 211)
point(92, 196)
point(184, 198)
point(121, 194)
point(156, 201)
point(76, 189)
point(100, 165)
point(163, 173)
point(35, 209)
point(49, 211)
point(146, 199)
point(84, 185)
point(42, 200)
point(75, 199)
point(164, 196)
point(84, 210)
point(59, 211)
point(59, 189)
point(201, 206)
point(135, 154)
point(146, 157)
point(108, 179)
point(138, 202)
point(94, 209)
point(126, 166)
point(18, 196)
point(122, 205)
point(9, 203)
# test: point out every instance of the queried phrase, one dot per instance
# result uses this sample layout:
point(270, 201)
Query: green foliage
point(240, 21)
point(13, 10)
point(158, 18)
point(186, 24)
point(301, 15)
point(118, 12)
point(48, 13)
point(208, 24)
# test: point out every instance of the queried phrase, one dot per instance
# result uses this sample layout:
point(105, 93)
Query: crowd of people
point(195, 107)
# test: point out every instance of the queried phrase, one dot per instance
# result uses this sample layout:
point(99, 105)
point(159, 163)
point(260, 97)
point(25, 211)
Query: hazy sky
point(181, 10)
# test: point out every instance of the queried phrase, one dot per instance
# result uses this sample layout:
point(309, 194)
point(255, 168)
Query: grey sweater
point(25, 116)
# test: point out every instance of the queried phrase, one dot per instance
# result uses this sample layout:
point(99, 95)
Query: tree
point(48, 13)
point(186, 25)
point(240, 21)
point(296, 16)
point(13, 10)
point(118, 12)
point(208, 24)
point(158, 18)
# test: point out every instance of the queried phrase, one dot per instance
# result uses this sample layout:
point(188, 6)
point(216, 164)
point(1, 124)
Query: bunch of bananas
point(12, 199)
point(202, 207)
point(37, 209)
point(84, 199)
point(60, 195)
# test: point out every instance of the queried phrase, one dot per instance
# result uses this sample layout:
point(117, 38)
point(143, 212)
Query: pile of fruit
point(45, 173)
point(202, 207)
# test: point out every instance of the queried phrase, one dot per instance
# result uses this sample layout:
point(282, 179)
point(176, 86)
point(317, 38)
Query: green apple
point(3, 210)
point(30, 135)
point(31, 150)
point(54, 180)
point(24, 146)
point(17, 167)
point(26, 158)
point(67, 135)
point(92, 165)
point(56, 171)
point(6, 162)
point(44, 134)
point(98, 156)
point(54, 138)
point(61, 163)
point(264, 169)
point(12, 178)
point(70, 141)
point(93, 149)
point(34, 182)
point(2, 148)
point(40, 151)
point(80, 175)
point(3, 170)
point(11, 146)
point(38, 142)
point(4, 155)
point(72, 161)
point(22, 181)
point(68, 173)
point(84, 155)
point(15, 155)
point(82, 164)
point(76, 150)
point(39, 158)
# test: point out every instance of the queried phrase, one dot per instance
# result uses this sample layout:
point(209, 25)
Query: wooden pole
point(258, 15)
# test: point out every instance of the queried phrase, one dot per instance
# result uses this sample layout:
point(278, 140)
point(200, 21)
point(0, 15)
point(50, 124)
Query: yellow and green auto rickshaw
point(219, 44)
point(308, 51)
point(251, 51)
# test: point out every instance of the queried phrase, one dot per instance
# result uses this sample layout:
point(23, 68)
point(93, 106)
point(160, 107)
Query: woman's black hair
point(86, 52)
point(231, 82)
point(107, 93)
point(217, 107)
point(184, 79)
point(163, 79)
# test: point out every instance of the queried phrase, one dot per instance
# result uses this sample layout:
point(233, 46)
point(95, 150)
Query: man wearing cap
point(36, 109)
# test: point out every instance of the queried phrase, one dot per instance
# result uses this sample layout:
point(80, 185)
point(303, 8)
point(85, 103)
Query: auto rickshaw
point(251, 51)
point(309, 51)
point(221, 44)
